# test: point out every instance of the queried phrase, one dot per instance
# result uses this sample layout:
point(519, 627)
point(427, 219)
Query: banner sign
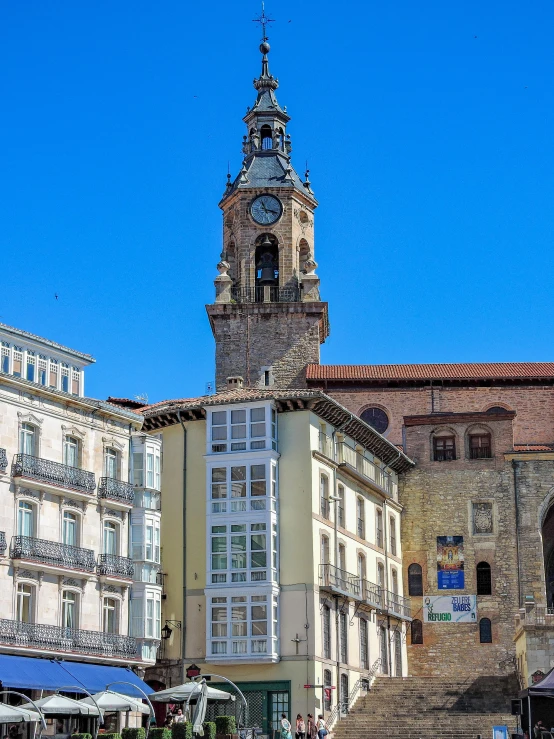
point(450, 562)
point(450, 609)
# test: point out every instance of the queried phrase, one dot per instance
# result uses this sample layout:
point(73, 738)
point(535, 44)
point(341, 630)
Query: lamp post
point(136, 687)
point(22, 695)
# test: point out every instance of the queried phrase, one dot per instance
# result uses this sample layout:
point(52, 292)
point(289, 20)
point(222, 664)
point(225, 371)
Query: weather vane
point(263, 20)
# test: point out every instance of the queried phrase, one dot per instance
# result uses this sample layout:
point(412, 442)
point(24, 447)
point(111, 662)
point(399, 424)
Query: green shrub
point(182, 730)
point(81, 736)
point(160, 733)
point(115, 735)
point(225, 725)
point(137, 733)
point(209, 730)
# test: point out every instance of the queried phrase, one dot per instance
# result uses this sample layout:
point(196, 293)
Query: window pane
point(238, 482)
point(219, 418)
point(219, 544)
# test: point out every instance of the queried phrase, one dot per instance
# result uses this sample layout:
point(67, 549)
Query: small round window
point(377, 418)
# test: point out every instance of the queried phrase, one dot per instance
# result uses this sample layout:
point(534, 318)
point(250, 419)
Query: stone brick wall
point(282, 336)
point(438, 499)
point(534, 405)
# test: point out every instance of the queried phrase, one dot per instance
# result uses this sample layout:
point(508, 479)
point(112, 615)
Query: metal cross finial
point(263, 20)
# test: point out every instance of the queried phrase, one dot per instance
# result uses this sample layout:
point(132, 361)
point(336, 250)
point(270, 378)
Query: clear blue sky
point(428, 128)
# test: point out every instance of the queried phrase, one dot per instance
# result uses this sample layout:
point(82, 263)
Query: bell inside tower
point(267, 266)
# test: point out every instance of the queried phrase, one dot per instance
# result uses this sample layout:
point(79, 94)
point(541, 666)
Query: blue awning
point(96, 677)
point(34, 673)
point(31, 673)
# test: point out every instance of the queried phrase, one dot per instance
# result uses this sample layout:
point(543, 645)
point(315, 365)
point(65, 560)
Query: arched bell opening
point(267, 137)
point(304, 254)
point(548, 553)
point(267, 268)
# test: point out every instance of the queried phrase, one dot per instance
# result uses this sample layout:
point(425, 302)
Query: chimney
point(235, 383)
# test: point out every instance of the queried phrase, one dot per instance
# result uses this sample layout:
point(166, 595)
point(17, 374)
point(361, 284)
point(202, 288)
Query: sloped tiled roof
point(268, 170)
point(470, 371)
point(534, 447)
point(170, 412)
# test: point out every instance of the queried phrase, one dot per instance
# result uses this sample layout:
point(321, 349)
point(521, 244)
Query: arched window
point(267, 138)
point(376, 418)
point(327, 633)
point(444, 447)
point(480, 446)
point(415, 580)
point(24, 603)
point(327, 693)
point(324, 506)
point(324, 550)
point(71, 451)
point(485, 631)
point(360, 516)
point(496, 409)
point(484, 579)
point(27, 439)
point(344, 693)
point(416, 629)
point(109, 620)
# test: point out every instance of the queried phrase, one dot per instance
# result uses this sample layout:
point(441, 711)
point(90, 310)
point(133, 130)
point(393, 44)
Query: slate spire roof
point(263, 165)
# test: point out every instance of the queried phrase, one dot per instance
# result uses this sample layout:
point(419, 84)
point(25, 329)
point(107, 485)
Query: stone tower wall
point(251, 337)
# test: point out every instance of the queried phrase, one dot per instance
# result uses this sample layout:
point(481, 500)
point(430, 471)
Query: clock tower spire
point(268, 320)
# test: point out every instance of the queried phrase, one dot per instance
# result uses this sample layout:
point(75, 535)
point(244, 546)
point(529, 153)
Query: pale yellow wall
point(172, 534)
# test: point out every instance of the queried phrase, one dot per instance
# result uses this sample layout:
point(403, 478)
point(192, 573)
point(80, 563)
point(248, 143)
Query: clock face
point(266, 209)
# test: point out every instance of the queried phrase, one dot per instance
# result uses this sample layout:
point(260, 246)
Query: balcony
point(373, 595)
point(265, 294)
point(397, 605)
point(55, 639)
point(368, 470)
point(114, 567)
point(3, 460)
point(52, 554)
point(119, 493)
point(339, 581)
point(49, 475)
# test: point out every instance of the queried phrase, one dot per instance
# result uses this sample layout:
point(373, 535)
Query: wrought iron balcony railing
point(114, 565)
point(3, 460)
point(373, 594)
point(59, 639)
point(118, 490)
point(52, 553)
point(3, 543)
point(265, 294)
point(53, 473)
point(398, 605)
point(334, 578)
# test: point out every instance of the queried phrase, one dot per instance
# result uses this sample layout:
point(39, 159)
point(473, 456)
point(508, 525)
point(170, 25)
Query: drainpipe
point(515, 466)
point(385, 542)
point(184, 626)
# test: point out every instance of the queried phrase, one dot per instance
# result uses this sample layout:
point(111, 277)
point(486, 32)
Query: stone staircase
point(430, 708)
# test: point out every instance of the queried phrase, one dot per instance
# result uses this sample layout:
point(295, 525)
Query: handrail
point(343, 707)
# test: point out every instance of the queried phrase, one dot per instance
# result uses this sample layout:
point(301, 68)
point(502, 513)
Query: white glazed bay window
point(145, 538)
point(243, 487)
point(146, 613)
point(146, 461)
point(240, 552)
point(243, 626)
point(241, 429)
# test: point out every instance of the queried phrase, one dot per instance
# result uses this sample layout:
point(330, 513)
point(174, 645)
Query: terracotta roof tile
point(534, 447)
point(471, 371)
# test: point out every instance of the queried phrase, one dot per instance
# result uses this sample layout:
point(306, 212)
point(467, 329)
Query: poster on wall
point(450, 562)
point(461, 609)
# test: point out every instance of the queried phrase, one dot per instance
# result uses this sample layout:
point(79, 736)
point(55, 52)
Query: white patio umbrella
point(62, 706)
point(200, 710)
point(109, 700)
point(16, 714)
point(180, 693)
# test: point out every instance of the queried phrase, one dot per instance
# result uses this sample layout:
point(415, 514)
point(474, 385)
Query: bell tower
point(267, 320)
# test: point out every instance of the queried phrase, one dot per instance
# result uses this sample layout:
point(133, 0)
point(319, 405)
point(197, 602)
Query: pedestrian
point(311, 729)
point(168, 723)
point(179, 718)
point(300, 727)
point(285, 727)
point(321, 727)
